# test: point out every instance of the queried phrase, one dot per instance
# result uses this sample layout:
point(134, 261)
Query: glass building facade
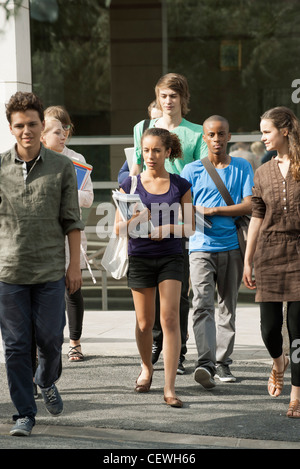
point(101, 59)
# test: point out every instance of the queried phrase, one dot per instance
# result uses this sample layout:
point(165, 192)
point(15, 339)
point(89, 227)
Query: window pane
point(240, 57)
point(71, 60)
point(102, 58)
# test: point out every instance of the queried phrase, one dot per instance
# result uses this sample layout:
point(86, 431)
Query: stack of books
point(83, 170)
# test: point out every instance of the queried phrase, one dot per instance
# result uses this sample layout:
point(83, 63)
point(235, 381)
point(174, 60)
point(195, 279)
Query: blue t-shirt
point(146, 247)
point(238, 178)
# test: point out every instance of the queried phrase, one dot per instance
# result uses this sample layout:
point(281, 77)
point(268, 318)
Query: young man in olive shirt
point(38, 208)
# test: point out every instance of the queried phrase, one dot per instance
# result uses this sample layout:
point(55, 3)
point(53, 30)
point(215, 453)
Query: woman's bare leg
point(144, 303)
point(169, 310)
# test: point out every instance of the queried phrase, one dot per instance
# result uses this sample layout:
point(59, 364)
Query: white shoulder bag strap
point(133, 184)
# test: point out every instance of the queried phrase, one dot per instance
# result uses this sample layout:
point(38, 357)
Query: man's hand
point(73, 274)
point(73, 279)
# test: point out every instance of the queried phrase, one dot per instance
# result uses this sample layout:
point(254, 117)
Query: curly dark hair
point(21, 102)
point(169, 140)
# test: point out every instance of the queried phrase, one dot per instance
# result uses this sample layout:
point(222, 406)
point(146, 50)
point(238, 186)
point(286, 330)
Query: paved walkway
point(101, 410)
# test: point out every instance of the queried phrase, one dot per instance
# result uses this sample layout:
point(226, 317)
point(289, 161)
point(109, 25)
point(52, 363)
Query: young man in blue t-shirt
point(215, 257)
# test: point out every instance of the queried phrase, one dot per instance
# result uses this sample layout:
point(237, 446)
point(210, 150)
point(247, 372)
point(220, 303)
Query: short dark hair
point(217, 118)
point(21, 102)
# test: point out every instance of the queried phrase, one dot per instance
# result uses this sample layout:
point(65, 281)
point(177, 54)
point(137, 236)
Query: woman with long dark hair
point(274, 247)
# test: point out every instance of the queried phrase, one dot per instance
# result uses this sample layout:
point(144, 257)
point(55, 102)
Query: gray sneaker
point(204, 377)
point(224, 374)
point(22, 427)
point(52, 399)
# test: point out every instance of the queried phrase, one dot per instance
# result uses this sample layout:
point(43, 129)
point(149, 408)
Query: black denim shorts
point(147, 272)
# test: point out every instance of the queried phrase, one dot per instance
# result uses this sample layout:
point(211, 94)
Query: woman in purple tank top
point(156, 261)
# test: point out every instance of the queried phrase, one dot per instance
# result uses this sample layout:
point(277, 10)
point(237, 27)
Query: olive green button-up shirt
point(37, 211)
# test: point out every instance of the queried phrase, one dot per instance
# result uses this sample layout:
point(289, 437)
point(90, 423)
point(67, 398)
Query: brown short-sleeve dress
point(277, 257)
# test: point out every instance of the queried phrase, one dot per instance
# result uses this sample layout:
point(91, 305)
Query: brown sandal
point(143, 385)
point(294, 406)
point(173, 401)
point(276, 380)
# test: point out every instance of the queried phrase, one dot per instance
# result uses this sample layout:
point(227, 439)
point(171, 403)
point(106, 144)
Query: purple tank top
point(146, 247)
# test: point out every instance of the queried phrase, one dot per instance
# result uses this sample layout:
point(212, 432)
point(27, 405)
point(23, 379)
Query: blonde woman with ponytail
point(274, 247)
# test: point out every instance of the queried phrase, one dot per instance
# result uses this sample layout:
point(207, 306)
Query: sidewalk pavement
point(102, 411)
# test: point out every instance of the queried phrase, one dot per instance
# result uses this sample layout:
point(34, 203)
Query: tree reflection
point(270, 44)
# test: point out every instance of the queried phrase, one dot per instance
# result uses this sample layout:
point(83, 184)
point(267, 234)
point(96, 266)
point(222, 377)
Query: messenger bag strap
point(217, 180)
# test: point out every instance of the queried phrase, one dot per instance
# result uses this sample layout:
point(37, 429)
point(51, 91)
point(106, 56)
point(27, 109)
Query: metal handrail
point(128, 140)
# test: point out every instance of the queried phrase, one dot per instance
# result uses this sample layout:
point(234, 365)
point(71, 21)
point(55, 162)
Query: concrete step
point(113, 303)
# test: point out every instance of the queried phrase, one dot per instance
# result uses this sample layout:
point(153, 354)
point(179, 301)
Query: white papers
point(128, 204)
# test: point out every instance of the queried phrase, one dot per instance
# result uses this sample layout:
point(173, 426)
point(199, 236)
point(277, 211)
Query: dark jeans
point(22, 308)
point(184, 306)
point(271, 317)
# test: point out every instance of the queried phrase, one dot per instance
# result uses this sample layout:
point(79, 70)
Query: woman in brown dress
point(273, 247)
